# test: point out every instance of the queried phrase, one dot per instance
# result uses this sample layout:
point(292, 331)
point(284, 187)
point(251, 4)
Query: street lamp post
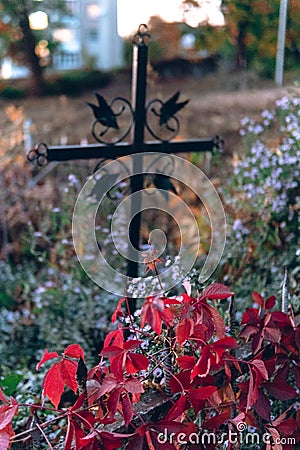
point(281, 42)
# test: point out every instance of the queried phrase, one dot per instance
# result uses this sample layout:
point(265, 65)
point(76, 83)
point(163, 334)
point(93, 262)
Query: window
point(92, 35)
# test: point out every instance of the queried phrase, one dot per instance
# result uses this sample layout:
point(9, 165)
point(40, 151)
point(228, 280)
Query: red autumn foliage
point(208, 378)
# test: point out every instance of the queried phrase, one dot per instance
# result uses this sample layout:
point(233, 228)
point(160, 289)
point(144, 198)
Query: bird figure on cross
point(103, 113)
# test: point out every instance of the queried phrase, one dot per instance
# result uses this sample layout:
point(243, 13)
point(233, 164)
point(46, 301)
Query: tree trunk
point(241, 48)
point(37, 79)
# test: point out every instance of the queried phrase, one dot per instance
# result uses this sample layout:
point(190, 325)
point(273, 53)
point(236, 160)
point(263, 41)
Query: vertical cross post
point(139, 80)
point(163, 128)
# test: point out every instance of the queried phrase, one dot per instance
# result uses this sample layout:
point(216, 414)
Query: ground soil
point(217, 104)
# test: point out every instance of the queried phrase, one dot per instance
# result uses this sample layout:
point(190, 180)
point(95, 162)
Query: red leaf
point(177, 409)
point(109, 383)
point(113, 401)
point(69, 435)
point(199, 396)
point(3, 397)
point(136, 362)
point(258, 299)
point(225, 343)
point(118, 311)
point(276, 439)
point(288, 427)
point(216, 291)
point(218, 322)
point(132, 344)
point(89, 442)
point(114, 337)
point(270, 302)
point(154, 313)
point(46, 357)
point(61, 373)
point(134, 386)
point(281, 390)
point(74, 351)
point(250, 317)
point(68, 371)
point(111, 351)
point(127, 409)
point(7, 413)
point(272, 334)
point(253, 390)
point(184, 330)
point(93, 388)
point(112, 441)
point(216, 421)
point(237, 419)
point(262, 406)
point(203, 364)
point(186, 362)
point(261, 368)
point(53, 385)
point(202, 393)
point(4, 440)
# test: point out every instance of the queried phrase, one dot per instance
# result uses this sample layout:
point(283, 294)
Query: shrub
point(74, 82)
point(262, 201)
point(12, 93)
point(233, 387)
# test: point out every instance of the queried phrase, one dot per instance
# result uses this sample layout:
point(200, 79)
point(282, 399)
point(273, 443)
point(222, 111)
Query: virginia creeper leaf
point(258, 299)
point(136, 362)
point(134, 386)
point(177, 409)
point(7, 412)
point(128, 412)
point(74, 351)
point(186, 362)
point(281, 390)
point(4, 440)
point(261, 368)
point(60, 374)
point(184, 330)
point(47, 356)
point(218, 322)
point(270, 302)
point(216, 291)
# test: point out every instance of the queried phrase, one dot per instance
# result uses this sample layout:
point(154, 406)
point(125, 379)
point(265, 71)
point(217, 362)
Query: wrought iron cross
point(110, 147)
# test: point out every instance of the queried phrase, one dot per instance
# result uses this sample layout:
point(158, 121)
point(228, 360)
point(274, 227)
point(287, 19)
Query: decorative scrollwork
point(106, 119)
point(168, 124)
point(142, 37)
point(218, 143)
point(39, 154)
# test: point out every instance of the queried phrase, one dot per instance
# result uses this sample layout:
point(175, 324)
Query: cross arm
point(43, 153)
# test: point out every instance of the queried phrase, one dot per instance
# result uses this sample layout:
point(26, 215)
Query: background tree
point(21, 40)
point(249, 37)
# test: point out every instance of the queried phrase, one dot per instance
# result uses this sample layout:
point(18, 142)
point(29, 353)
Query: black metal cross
point(107, 120)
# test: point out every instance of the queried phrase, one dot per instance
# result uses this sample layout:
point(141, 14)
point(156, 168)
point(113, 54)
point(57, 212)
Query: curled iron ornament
point(218, 143)
point(39, 154)
point(172, 125)
point(99, 136)
point(142, 36)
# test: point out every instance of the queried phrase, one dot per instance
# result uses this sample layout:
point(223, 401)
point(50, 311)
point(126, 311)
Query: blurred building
point(87, 37)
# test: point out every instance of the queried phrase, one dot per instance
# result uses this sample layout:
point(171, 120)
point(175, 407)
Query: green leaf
point(10, 383)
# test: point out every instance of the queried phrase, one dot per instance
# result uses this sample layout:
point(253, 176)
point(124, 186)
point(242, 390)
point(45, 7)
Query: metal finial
point(142, 36)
